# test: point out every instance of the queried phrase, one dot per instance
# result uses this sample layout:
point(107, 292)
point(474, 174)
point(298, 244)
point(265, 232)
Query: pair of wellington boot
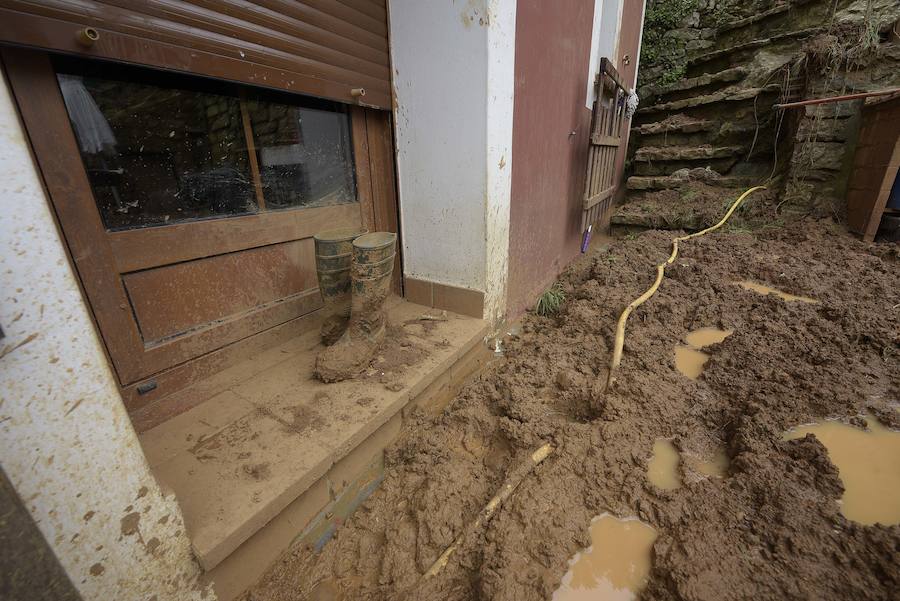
point(354, 271)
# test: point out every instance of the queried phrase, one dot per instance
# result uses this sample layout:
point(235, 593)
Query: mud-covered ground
point(771, 529)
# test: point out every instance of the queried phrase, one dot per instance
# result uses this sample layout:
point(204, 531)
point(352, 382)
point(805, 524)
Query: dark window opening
point(163, 148)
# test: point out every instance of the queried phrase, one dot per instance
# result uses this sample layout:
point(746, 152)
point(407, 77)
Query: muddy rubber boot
point(373, 265)
point(334, 254)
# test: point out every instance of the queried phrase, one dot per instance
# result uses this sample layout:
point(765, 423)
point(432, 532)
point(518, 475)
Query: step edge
point(211, 555)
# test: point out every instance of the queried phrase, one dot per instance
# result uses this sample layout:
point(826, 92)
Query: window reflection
point(305, 153)
point(161, 148)
point(157, 154)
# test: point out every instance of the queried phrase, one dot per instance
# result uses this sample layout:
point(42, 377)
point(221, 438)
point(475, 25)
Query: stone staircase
point(717, 122)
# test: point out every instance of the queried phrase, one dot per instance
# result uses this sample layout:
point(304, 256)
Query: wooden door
point(189, 206)
point(629, 52)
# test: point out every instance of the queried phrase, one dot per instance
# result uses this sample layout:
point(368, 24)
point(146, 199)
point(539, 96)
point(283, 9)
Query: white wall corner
point(501, 32)
point(439, 60)
point(604, 40)
point(594, 59)
point(66, 442)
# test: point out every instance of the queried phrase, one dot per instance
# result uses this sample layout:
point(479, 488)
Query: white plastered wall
point(604, 40)
point(453, 78)
point(66, 442)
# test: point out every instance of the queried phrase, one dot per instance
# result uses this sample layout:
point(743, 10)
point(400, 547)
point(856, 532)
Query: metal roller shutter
point(324, 48)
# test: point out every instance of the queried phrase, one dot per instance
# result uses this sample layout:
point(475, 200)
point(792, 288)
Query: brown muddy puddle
point(689, 359)
point(763, 289)
point(663, 469)
point(616, 565)
point(868, 463)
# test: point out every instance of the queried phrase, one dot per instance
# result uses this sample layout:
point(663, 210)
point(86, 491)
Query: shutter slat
point(331, 47)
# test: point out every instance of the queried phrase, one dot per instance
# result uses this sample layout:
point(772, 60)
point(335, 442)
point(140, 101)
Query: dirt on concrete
point(771, 529)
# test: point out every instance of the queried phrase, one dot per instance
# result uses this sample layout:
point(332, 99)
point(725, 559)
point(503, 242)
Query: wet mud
point(767, 525)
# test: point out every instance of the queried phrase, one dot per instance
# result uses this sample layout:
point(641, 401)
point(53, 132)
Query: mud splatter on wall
point(66, 442)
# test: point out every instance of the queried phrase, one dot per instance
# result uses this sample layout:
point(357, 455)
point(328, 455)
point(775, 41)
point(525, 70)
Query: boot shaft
point(334, 257)
point(371, 271)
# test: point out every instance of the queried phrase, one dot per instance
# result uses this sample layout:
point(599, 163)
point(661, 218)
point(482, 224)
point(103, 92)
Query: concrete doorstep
point(279, 457)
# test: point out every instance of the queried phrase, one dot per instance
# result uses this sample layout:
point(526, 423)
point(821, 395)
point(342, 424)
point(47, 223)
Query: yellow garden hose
point(660, 271)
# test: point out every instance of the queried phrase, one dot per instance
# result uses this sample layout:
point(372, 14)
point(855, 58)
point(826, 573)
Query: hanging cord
point(619, 343)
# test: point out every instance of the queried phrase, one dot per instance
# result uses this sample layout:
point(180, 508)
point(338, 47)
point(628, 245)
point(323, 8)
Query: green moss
point(660, 51)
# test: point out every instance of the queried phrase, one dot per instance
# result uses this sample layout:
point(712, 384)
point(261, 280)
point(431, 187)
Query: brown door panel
point(156, 358)
point(163, 296)
point(150, 247)
point(173, 300)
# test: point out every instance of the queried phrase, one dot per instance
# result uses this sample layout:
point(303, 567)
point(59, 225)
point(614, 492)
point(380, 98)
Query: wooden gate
point(605, 144)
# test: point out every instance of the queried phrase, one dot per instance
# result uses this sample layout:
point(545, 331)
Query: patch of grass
point(550, 301)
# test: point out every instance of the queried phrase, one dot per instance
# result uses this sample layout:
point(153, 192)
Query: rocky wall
point(723, 64)
point(860, 53)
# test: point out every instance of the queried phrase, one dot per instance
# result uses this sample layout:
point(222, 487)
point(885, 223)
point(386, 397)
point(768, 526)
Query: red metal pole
point(791, 105)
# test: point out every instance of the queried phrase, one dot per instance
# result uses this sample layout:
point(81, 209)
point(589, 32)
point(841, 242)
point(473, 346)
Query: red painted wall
point(553, 42)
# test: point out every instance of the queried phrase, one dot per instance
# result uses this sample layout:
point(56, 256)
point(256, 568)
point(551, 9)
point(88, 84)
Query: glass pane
point(304, 152)
point(157, 151)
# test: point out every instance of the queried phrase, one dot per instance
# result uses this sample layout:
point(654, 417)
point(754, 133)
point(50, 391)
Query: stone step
point(751, 45)
point(680, 178)
point(727, 76)
point(772, 22)
point(740, 23)
point(686, 153)
point(731, 94)
point(676, 124)
point(669, 132)
point(654, 219)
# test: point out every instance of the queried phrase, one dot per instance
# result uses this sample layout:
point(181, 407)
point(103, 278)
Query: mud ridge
point(772, 529)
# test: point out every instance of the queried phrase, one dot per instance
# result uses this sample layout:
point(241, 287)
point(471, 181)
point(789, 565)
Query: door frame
point(100, 257)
